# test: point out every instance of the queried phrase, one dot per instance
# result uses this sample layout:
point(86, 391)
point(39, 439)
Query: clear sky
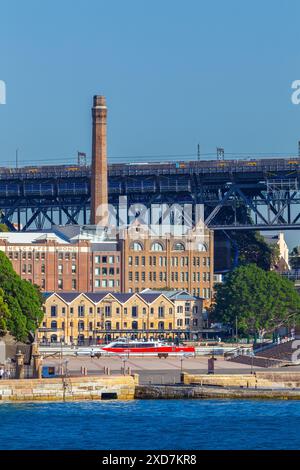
point(175, 74)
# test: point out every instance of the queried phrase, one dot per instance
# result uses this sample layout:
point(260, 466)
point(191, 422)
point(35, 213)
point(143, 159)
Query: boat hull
point(153, 351)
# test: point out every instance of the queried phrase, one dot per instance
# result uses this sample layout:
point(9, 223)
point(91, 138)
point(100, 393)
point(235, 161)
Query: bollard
point(37, 366)
point(19, 365)
point(211, 365)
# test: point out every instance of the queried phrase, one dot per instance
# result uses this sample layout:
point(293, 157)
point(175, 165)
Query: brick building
point(77, 259)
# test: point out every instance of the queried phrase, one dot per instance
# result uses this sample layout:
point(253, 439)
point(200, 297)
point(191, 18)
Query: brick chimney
point(99, 198)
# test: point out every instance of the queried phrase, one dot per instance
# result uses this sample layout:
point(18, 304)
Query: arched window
point(54, 325)
point(202, 247)
point(53, 339)
point(80, 326)
point(178, 247)
point(157, 247)
point(136, 246)
point(134, 325)
point(161, 325)
point(108, 325)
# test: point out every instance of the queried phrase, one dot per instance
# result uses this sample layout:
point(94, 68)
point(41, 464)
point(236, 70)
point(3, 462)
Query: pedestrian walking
point(1, 373)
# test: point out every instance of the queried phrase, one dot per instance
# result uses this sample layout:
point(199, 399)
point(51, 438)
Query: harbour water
point(151, 424)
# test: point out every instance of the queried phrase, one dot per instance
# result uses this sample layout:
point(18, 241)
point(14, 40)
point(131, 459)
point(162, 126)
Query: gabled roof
point(68, 296)
point(123, 297)
point(171, 294)
point(150, 297)
point(96, 297)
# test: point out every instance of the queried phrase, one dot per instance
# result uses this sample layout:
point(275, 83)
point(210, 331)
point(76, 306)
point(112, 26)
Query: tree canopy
point(20, 302)
point(252, 248)
point(260, 301)
point(4, 228)
point(295, 257)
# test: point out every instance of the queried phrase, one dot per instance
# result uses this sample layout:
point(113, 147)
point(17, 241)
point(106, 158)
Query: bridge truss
point(261, 194)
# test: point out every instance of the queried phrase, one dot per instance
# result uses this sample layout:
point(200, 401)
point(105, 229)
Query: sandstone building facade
point(89, 318)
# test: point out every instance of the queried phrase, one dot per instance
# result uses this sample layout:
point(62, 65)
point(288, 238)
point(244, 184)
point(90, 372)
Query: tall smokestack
point(99, 198)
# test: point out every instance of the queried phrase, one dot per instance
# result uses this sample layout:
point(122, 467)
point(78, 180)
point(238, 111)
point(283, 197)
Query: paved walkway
point(150, 369)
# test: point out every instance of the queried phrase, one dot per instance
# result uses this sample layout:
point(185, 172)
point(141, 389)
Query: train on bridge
point(163, 167)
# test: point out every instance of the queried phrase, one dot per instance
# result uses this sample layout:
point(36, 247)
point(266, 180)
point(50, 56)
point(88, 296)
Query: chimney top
point(99, 101)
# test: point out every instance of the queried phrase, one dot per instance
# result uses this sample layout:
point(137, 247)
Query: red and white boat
point(146, 348)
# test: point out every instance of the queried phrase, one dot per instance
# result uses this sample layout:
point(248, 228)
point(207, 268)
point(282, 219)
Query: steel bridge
point(237, 194)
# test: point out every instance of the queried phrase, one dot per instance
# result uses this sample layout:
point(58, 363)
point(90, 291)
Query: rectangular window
point(53, 311)
point(81, 310)
point(134, 311)
point(97, 259)
point(161, 312)
point(74, 284)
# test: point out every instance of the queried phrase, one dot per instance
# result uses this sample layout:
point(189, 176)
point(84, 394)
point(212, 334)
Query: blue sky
point(175, 73)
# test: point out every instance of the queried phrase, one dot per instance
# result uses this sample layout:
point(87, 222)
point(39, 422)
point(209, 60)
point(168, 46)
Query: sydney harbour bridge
point(258, 194)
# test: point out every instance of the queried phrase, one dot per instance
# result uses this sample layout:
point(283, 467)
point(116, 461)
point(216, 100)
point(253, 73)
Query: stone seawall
point(258, 379)
point(169, 392)
point(68, 389)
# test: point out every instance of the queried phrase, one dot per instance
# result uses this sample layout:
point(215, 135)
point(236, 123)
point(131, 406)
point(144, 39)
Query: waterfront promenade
point(150, 369)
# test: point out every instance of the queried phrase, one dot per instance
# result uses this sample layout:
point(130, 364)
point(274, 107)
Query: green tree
point(295, 257)
point(252, 248)
point(4, 314)
point(260, 301)
point(3, 228)
point(24, 301)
